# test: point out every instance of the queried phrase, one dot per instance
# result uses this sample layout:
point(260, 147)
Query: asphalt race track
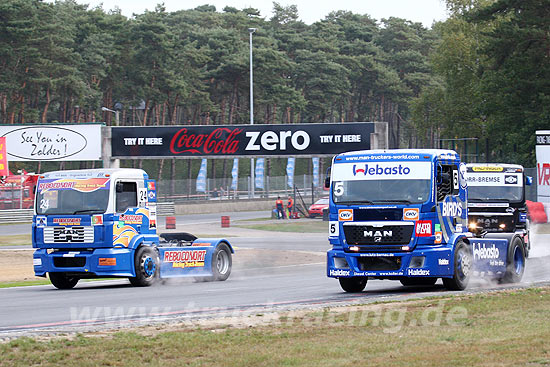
point(252, 287)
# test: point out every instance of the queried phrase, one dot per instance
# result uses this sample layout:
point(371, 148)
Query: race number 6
point(333, 229)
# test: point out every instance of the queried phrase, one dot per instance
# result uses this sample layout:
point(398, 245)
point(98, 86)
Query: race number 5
point(338, 188)
point(333, 229)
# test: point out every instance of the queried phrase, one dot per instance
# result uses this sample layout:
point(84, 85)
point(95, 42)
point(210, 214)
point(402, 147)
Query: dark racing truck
point(403, 215)
point(496, 201)
point(103, 223)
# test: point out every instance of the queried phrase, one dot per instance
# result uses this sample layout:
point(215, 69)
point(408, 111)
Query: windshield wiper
point(393, 201)
point(356, 202)
point(98, 210)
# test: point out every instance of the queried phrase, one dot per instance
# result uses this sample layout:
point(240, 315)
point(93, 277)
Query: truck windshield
point(496, 193)
point(483, 186)
point(381, 191)
point(72, 196)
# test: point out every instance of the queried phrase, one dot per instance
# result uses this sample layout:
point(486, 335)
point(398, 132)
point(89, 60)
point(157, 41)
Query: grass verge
point(498, 329)
point(15, 240)
point(309, 226)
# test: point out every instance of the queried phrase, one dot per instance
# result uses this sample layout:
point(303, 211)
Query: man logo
point(345, 214)
point(411, 214)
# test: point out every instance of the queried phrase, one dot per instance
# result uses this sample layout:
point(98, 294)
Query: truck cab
point(496, 200)
point(402, 215)
point(89, 223)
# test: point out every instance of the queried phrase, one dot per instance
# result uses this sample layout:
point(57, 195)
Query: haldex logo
point(380, 171)
point(443, 262)
point(339, 273)
point(417, 272)
point(452, 209)
point(481, 252)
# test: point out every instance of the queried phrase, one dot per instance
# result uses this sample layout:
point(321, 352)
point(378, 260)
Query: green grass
point(499, 329)
point(15, 240)
point(26, 283)
point(297, 225)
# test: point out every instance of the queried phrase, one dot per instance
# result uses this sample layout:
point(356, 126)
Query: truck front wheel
point(147, 267)
point(353, 285)
point(462, 265)
point(515, 264)
point(62, 281)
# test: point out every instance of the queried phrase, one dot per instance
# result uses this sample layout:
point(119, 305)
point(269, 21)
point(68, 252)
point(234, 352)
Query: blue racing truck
point(103, 223)
point(403, 215)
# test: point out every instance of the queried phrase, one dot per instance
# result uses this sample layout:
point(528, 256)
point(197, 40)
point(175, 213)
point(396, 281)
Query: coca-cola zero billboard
point(240, 140)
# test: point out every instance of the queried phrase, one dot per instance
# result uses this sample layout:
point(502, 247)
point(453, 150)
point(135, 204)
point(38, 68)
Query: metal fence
point(179, 191)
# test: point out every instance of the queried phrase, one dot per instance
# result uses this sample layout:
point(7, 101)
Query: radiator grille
point(69, 234)
point(384, 235)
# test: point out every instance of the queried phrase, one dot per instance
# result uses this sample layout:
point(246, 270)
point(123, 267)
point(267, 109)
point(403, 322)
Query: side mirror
point(528, 180)
point(327, 179)
point(119, 187)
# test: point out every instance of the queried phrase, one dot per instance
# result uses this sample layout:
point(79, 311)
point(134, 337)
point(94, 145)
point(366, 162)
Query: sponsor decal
point(423, 228)
point(82, 185)
point(482, 179)
point(418, 272)
point(37, 262)
point(443, 262)
point(481, 252)
point(203, 244)
point(151, 185)
point(510, 210)
point(345, 214)
point(97, 220)
point(411, 213)
point(458, 227)
point(438, 237)
point(378, 170)
point(487, 169)
point(339, 273)
point(131, 219)
point(523, 217)
point(41, 221)
point(185, 258)
point(510, 179)
point(67, 221)
point(452, 209)
point(107, 261)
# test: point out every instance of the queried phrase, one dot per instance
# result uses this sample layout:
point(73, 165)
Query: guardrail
point(16, 216)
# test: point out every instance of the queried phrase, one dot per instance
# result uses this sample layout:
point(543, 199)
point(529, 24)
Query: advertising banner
point(235, 174)
point(290, 171)
point(79, 142)
point(259, 173)
point(315, 162)
point(201, 178)
point(240, 140)
point(4, 170)
point(543, 167)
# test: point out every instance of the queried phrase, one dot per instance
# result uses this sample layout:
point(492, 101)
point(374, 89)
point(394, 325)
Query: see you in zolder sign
point(80, 142)
point(240, 140)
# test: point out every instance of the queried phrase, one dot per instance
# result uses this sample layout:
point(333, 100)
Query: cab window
point(126, 196)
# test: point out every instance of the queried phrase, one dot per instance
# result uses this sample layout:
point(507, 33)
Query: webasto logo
point(379, 171)
point(481, 252)
point(339, 273)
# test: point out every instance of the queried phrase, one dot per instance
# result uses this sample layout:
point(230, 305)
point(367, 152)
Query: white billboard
point(78, 142)
point(543, 168)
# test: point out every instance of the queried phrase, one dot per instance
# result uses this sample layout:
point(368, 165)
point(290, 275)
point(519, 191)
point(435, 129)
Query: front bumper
point(111, 262)
point(421, 262)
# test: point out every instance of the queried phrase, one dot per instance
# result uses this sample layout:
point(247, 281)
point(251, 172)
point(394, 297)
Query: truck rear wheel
point(353, 285)
point(462, 265)
point(62, 281)
point(515, 263)
point(418, 281)
point(221, 262)
point(147, 267)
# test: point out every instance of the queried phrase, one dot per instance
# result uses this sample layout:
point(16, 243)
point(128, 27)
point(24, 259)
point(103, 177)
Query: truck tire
point(221, 262)
point(462, 268)
point(353, 285)
point(147, 267)
point(62, 281)
point(515, 261)
point(418, 281)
